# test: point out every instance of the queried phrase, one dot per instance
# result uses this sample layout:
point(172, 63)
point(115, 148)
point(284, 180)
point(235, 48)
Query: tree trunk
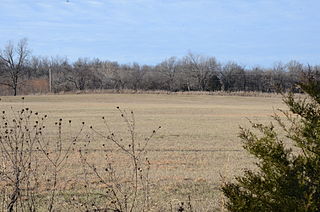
point(15, 91)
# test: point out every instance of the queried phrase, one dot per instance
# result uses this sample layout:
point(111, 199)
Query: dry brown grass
point(196, 145)
point(213, 93)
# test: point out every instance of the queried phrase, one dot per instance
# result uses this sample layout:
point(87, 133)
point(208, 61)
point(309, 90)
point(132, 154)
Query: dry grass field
point(194, 151)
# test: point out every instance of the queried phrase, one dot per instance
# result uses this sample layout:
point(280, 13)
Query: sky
point(249, 32)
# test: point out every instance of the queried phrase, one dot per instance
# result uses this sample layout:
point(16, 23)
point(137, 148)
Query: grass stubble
point(196, 149)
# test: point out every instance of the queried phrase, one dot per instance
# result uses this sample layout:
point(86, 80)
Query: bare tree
point(279, 79)
point(137, 75)
point(38, 67)
point(295, 70)
point(201, 69)
point(255, 79)
point(233, 77)
point(79, 74)
point(169, 68)
point(83, 74)
point(119, 75)
point(59, 66)
point(13, 64)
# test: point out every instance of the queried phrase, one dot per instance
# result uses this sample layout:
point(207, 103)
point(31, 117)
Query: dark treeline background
point(23, 73)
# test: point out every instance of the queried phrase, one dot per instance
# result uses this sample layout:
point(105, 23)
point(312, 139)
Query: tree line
point(190, 73)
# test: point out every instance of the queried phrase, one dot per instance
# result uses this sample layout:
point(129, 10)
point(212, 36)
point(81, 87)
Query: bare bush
point(124, 181)
point(30, 160)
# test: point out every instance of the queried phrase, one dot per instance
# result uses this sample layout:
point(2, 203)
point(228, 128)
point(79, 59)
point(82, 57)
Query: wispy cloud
point(149, 30)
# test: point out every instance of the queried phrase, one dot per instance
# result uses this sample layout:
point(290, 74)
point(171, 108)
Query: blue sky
point(250, 32)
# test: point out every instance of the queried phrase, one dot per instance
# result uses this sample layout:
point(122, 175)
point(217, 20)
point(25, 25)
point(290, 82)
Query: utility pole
point(50, 80)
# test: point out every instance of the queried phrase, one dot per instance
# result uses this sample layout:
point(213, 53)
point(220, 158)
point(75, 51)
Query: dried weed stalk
point(30, 160)
point(122, 174)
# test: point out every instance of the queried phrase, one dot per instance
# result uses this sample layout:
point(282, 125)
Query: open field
point(197, 142)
